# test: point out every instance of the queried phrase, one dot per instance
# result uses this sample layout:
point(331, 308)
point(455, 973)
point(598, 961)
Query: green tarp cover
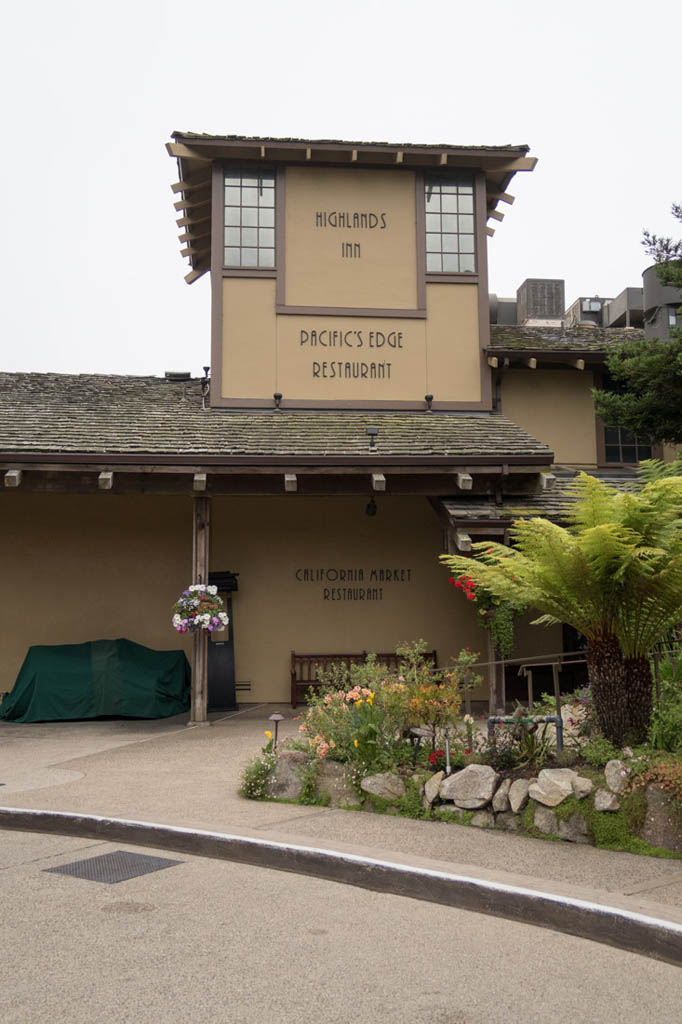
point(104, 677)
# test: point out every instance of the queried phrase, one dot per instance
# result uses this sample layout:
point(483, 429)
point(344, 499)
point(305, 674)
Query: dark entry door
point(221, 677)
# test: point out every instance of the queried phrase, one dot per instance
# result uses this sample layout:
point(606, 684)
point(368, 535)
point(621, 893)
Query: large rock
point(552, 786)
point(662, 826)
point(386, 785)
point(501, 798)
point(483, 819)
point(333, 780)
point(471, 788)
point(518, 794)
point(616, 776)
point(604, 800)
point(285, 783)
point(507, 820)
point(582, 787)
point(432, 788)
point(574, 829)
point(545, 821)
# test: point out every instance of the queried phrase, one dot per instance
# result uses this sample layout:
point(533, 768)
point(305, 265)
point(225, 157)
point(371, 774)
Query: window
point(249, 218)
point(622, 446)
point(449, 201)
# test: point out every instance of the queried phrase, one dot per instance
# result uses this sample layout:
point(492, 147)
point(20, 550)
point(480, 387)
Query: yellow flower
point(358, 702)
point(268, 734)
point(370, 702)
point(355, 743)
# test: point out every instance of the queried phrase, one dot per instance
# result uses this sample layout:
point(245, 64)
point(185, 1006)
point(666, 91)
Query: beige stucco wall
point(317, 273)
point(554, 406)
point(366, 359)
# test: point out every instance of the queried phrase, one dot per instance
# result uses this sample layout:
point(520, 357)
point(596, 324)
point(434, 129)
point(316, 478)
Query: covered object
point(104, 677)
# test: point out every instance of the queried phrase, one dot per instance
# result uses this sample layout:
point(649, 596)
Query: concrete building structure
point(361, 415)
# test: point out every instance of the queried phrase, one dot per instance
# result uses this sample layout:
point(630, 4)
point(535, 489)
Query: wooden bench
point(306, 667)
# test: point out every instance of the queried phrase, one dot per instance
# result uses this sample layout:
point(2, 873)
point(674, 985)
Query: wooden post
point(201, 535)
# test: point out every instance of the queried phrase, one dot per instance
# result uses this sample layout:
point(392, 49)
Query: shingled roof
point(148, 417)
point(594, 341)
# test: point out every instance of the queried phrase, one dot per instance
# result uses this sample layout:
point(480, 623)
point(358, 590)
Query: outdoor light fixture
point(429, 402)
point(419, 734)
point(372, 434)
point(371, 507)
point(276, 718)
point(278, 399)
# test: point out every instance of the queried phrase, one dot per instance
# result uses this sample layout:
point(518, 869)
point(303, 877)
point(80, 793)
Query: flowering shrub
point(199, 607)
point(495, 613)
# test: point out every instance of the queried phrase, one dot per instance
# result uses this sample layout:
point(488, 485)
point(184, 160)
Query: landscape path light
point(276, 718)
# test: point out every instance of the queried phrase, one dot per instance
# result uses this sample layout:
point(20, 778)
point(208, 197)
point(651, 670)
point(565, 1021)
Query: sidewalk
point(164, 772)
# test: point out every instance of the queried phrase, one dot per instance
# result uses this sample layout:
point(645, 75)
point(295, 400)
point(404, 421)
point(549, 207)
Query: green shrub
point(598, 751)
point(665, 730)
point(256, 776)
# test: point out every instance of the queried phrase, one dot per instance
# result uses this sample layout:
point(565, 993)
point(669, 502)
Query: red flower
point(467, 751)
point(470, 597)
point(432, 758)
point(440, 753)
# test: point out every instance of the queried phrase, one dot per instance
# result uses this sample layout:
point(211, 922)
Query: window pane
point(250, 178)
point(643, 452)
point(626, 437)
point(449, 204)
point(466, 186)
point(232, 258)
point(449, 222)
point(432, 222)
point(432, 201)
point(466, 204)
point(249, 216)
point(266, 237)
point(232, 236)
point(466, 224)
point(267, 197)
point(232, 197)
point(466, 243)
point(266, 258)
point(450, 243)
point(268, 178)
point(467, 264)
point(433, 262)
point(233, 178)
point(450, 263)
point(249, 197)
point(612, 453)
point(629, 453)
point(266, 217)
point(249, 236)
point(448, 186)
point(433, 243)
point(612, 435)
point(232, 215)
point(249, 257)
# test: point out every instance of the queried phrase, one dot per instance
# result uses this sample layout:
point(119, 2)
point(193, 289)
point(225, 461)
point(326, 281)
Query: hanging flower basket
point(199, 607)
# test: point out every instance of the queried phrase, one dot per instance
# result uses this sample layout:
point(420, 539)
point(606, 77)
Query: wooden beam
point(489, 232)
point(199, 481)
point(399, 156)
point(105, 480)
point(262, 152)
point(179, 149)
point(191, 251)
point(522, 163)
point(353, 156)
point(186, 204)
point(378, 482)
point(194, 275)
point(531, 363)
point(190, 186)
point(464, 481)
point(308, 153)
point(183, 221)
point(496, 215)
point(547, 481)
point(201, 538)
point(187, 236)
point(462, 540)
point(13, 477)
point(578, 364)
point(443, 159)
point(493, 361)
point(504, 197)
point(290, 482)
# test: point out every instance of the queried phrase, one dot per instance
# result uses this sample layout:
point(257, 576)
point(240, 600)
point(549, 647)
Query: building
point(361, 415)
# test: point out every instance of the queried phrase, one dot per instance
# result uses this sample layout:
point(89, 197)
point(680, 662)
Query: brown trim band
point(413, 314)
point(200, 458)
point(349, 404)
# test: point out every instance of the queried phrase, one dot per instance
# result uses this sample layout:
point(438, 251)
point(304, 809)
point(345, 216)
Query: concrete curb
point(614, 926)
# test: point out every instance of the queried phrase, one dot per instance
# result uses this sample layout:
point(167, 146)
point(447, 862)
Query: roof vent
point(178, 375)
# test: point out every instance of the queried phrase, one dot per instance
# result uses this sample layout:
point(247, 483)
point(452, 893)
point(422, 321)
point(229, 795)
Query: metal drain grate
point(118, 866)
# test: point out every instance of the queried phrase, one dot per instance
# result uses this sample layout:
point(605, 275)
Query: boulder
point(501, 798)
point(432, 788)
point(285, 783)
point(386, 785)
point(604, 800)
point(518, 794)
point(471, 788)
point(582, 787)
point(552, 786)
point(574, 829)
point(332, 778)
point(616, 776)
point(483, 819)
point(545, 821)
point(507, 820)
point(662, 826)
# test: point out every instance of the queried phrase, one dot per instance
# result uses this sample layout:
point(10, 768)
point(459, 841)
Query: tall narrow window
point(450, 227)
point(622, 446)
point(249, 218)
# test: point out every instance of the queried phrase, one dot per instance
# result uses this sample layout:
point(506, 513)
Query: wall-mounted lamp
point(278, 399)
point(429, 402)
point(371, 507)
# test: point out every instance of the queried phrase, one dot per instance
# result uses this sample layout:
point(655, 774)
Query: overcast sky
point(92, 279)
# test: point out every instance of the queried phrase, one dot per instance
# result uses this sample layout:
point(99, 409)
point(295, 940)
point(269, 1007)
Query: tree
point(648, 374)
point(615, 574)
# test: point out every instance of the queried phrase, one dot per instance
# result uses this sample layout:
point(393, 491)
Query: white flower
point(468, 720)
point(212, 590)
